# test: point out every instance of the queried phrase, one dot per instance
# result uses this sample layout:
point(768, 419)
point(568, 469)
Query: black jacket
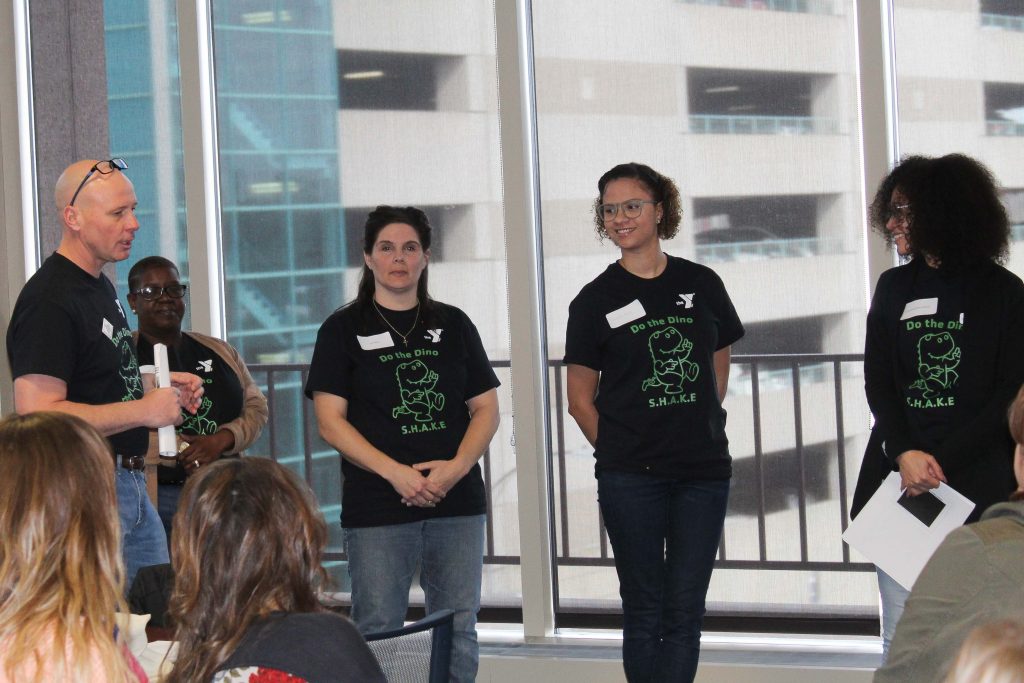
point(977, 456)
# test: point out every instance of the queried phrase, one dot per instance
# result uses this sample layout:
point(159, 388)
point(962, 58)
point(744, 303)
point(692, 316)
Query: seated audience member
point(976, 575)
point(149, 594)
point(992, 653)
point(246, 550)
point(60, 558)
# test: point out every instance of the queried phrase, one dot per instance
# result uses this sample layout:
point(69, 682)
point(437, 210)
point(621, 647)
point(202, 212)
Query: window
point(949, 103)
point(320, 120)
point(729, 101)
point(145, 125)
point(389, 80)
point(762, 141)
point(327, 109)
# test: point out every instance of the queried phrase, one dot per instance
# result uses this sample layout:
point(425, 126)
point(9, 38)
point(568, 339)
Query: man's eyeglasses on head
point(152, 292)
point(102, 167)
point(632, 208)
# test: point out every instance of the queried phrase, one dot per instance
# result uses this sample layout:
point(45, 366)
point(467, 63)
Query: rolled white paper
point(168, 439)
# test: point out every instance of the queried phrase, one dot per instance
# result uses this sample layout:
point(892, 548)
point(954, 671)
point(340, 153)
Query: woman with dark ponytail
point(402, 388)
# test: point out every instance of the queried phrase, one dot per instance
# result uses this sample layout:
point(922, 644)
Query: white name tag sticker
point(919, 307)
point(107, 329)
point(627, 314)
point(376, 341)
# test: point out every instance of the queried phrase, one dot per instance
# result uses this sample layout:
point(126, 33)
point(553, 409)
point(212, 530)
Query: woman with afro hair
point(942, 356)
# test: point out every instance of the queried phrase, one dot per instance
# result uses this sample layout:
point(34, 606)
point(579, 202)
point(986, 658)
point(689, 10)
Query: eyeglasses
point(901, 212)
point(632, 208)
point(152, 293)
point(103, 167)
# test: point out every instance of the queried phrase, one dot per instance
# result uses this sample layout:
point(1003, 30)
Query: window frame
point(518, 134)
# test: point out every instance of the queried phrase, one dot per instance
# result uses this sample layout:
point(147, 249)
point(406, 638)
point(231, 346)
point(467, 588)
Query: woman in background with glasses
point(61, 573)
point(648, 348)
point(403, 389)
point(233, 410)
point(943, 355)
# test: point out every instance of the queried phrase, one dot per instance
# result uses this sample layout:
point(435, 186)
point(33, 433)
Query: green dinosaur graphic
point(199, 423)
point(129, 372)
point(670, 355)
point(937, 357)
point(416, 384)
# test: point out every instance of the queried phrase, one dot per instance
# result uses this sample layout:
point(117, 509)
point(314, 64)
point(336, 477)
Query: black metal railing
point(784, 382)
point(839, 366)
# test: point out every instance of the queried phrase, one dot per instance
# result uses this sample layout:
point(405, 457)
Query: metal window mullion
point(201, 158)
point(521, 207)
point(878, 106)
point(19, 200)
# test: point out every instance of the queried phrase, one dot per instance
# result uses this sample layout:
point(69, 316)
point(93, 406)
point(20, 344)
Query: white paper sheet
point(897, 541)
point(157, 659)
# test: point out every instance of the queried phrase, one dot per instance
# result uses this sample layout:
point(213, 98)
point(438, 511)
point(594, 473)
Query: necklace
point(405, 337)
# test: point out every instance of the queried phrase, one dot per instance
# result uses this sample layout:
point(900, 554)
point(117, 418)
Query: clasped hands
point(425, 484)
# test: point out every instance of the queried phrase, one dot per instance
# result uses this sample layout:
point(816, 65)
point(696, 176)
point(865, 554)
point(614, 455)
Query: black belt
point(130, 462)
point(173, 474)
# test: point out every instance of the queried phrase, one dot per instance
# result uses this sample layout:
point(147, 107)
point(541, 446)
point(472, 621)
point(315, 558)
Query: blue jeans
point(447, 551)
point(167, 496)
point(143, 542)
point(665, 533)
point(894, 597)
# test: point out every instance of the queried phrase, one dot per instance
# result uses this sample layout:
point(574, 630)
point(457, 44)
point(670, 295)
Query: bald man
point(70, 347)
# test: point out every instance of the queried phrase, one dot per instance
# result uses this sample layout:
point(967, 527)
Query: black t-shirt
point(69, 325)
point(653, 341)
point(929, 353)
point(316, 647)
point(222, 391)
point(408, 401)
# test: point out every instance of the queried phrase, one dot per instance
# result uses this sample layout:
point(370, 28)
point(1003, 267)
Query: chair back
point(418, 653)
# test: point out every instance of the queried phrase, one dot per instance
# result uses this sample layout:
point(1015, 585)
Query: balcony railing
point(1003, 21)
point(720, 124)
point(767, 249)
point(802, 485)
point(803, 6)
point(1004, 128)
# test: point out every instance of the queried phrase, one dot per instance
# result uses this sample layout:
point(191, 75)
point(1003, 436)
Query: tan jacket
point(975, 576)
point(245, 428)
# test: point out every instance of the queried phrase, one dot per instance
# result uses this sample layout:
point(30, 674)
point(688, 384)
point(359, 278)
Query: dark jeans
point(665, 533)
point(167, 496)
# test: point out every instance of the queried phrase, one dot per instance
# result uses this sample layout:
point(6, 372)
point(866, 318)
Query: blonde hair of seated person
point(61, 573)
point(992, 653)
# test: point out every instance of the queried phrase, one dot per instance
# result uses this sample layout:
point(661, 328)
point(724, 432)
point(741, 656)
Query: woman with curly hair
point(61, 574)
point(942, 354)
point(647, 348)
point(246, 549)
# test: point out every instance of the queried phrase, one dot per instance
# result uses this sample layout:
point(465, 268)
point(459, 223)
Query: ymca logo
point(205, 365)
point(433, 335)
point(685, 300)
